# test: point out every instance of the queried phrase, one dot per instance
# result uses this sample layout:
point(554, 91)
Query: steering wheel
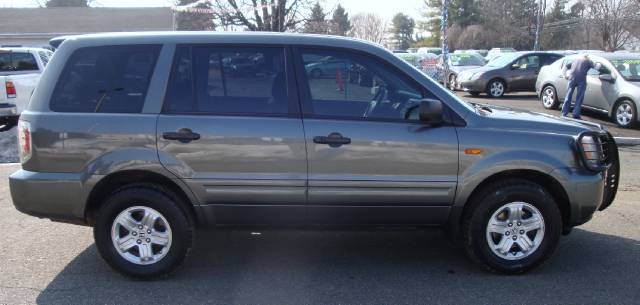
point(378, 99)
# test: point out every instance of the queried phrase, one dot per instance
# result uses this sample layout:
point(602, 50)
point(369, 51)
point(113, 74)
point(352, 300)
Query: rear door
point(231, 129)
point(368, 164)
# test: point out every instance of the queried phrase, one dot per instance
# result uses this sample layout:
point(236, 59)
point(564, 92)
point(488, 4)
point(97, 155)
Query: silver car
point(614, 89)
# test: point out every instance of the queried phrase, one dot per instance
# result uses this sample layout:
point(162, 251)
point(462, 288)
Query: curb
point(627, 141)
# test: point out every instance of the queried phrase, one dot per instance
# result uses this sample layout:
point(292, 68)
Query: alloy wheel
point(141, 235)
point(515, 230)
point(548, 98)
point(496, 89)
point(624, 114)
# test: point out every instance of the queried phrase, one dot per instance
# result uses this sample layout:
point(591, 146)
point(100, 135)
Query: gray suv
point(148, 136)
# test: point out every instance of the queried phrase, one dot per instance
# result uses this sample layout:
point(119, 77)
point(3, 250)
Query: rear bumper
point(8, 110)
point(56, 196)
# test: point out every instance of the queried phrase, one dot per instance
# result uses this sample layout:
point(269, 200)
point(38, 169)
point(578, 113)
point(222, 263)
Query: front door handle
point(334, 139)
point(184, 135)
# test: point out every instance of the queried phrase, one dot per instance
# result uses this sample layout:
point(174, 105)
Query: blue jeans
point(581, 86)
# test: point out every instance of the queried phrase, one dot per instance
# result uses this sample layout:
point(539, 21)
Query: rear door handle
point(334, 139)
point(184, 135)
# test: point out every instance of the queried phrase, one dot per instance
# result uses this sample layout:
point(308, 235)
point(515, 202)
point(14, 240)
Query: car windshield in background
point(466, 60)
point(628, 68)
point(503, 60)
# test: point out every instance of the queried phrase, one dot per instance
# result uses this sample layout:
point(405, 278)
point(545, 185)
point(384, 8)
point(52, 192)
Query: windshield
point(628, 68)
point(503, 60)
point(466, 60)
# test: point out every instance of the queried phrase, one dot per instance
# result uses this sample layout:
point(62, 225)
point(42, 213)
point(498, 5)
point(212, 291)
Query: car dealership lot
point(529, 101)
point(46, 262)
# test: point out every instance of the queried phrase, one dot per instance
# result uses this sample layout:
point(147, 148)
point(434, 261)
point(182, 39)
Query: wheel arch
point(112, 182)
point(551, 184)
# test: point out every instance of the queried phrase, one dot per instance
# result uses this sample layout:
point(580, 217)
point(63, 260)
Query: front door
point(367, 163)
point(231, 130)
point(524, 73)
point(600, 94)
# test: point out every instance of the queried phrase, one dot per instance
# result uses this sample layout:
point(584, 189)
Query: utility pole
point(539, 20)
point(445, 41)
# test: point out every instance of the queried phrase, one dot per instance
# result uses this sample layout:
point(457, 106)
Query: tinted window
point(549, 59)
point(112, 79)
point(24, 62)
point(13, 61)
point(44, 56)
point(342, 84)
point(5, 62)
point(228, 80)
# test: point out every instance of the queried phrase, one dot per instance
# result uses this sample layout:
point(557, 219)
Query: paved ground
point(529, 101)
point(599, 263)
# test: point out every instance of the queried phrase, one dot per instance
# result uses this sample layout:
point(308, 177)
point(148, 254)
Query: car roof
point(222, 37)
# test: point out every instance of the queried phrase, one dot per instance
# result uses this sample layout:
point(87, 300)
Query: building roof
point(78, 20)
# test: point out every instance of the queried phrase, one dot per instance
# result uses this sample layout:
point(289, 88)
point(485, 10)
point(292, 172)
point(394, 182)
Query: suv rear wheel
point(142, 232)
point(512, 226)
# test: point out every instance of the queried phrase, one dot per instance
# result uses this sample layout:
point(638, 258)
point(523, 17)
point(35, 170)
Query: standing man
point(577, 76)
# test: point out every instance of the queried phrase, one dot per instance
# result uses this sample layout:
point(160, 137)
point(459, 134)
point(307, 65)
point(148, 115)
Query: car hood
point(518, 119)
point(458, 69)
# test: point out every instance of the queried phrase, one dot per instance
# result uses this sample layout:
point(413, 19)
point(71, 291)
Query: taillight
point(24, 140)
point(11, 89)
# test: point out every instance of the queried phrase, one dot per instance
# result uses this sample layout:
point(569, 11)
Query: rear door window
point(228, 80)
point(107, 79)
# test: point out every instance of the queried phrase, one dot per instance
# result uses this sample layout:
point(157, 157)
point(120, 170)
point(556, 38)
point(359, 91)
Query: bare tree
point(368, 26)
point(261, 15)
point(609, 18)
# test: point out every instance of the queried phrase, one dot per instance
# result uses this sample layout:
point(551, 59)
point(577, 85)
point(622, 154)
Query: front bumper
point(56, 196)
point(471, 85)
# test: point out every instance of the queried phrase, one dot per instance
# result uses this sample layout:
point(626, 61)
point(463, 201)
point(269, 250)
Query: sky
point(384, 8)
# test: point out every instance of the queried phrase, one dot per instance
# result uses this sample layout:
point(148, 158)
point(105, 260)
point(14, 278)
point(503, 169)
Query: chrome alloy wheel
point(548, 97)
point(515, 230)
point(624, 114)
point(496, 89)
point(141, 235)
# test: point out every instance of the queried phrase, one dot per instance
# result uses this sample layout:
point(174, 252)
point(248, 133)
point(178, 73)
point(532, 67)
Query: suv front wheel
point(142, 232)
point(512, 226)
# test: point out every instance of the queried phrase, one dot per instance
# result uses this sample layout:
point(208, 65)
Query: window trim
point(305, 93)
point(158, 50)
point(292, 94)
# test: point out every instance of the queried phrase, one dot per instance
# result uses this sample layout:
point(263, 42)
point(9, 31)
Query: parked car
point(495, 52)
point(20, 70)
point(432, 50)
point(458, 62)
point(614, 89)
point(511, 72)
point(168, 142)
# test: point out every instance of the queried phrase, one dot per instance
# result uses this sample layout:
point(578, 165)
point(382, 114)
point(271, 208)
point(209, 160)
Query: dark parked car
point(146, 137)
point(511, 72)
point(458, 62)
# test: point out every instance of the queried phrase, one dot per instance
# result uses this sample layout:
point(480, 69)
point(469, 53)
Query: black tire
point(628, 105)
point(491, 199)
point(167, 204)
point(549, 91)
point(452, 79)
point(474, 93)
point(500, 84)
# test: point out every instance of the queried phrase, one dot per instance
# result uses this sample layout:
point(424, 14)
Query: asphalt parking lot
point(45, 262)
point(529, 101)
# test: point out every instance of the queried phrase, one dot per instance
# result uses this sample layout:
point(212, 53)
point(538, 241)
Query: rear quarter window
point(106, 79)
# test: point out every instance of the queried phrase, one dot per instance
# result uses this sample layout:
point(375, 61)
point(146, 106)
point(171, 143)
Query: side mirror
point(431, 111)
point(607, 78)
